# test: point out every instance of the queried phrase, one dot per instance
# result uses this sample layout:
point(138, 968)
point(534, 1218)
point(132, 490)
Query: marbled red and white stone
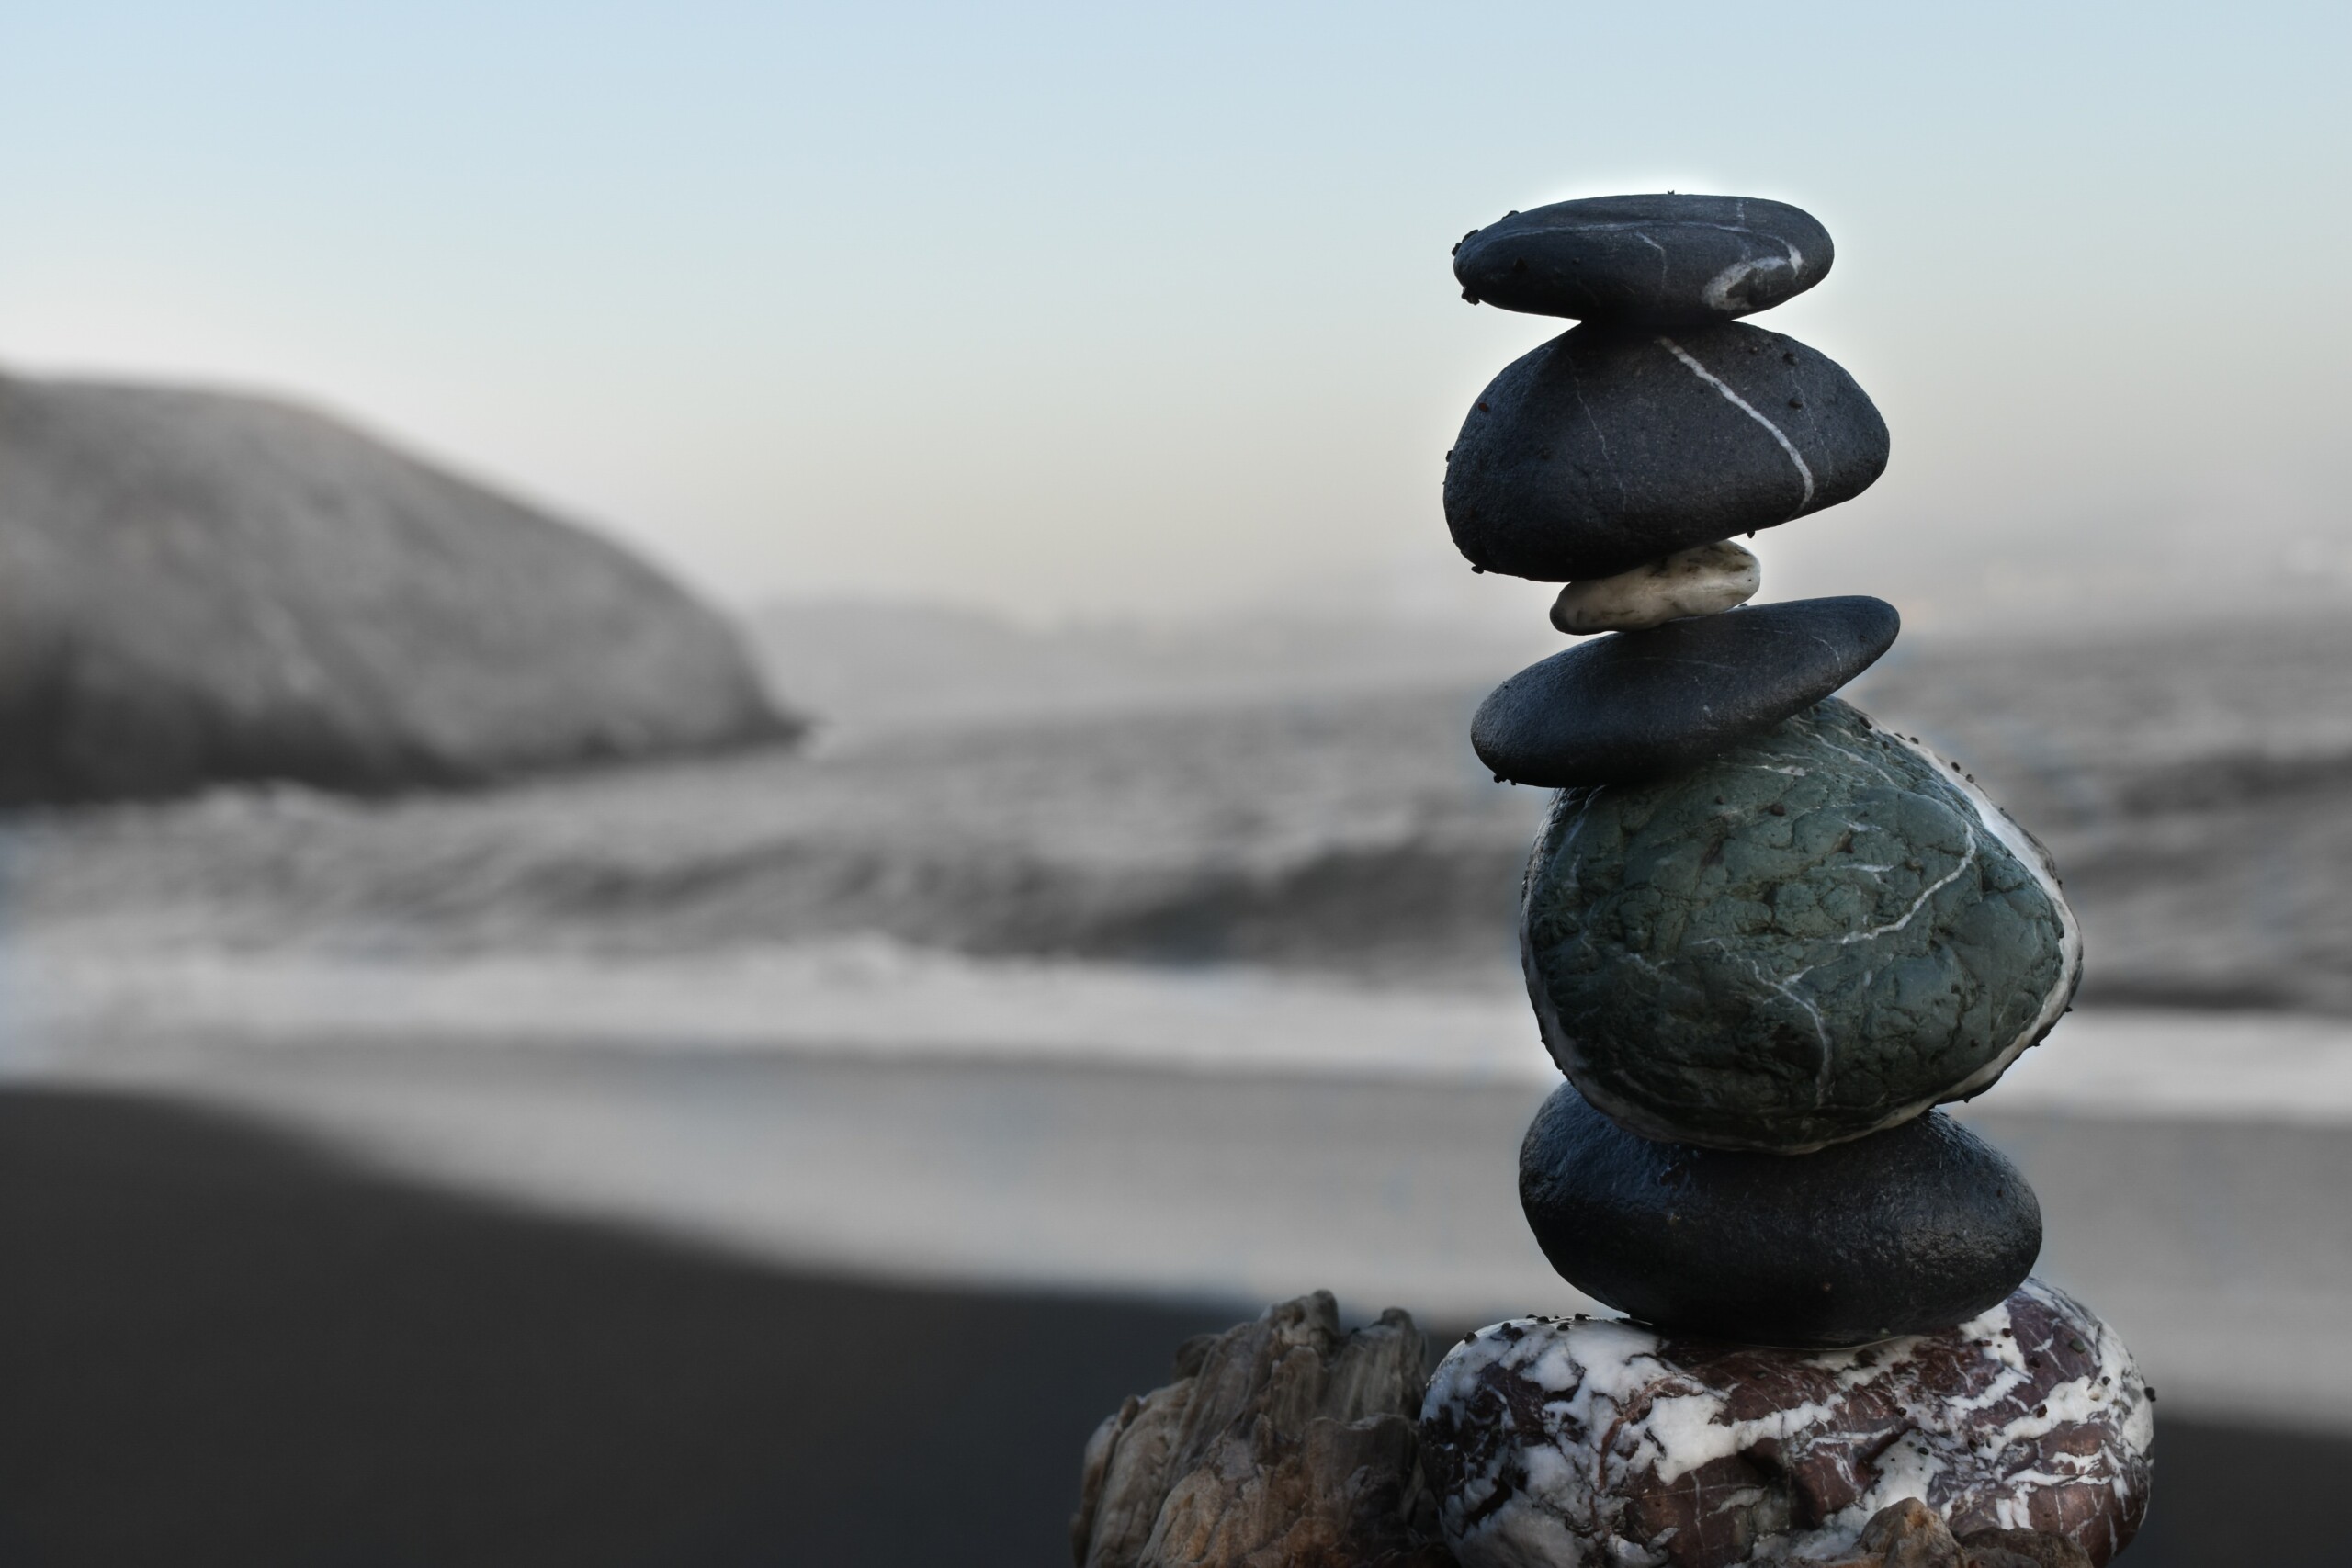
point(1556, 1442)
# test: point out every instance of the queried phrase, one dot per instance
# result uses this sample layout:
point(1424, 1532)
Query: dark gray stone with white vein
point(1606, 447)
point(1819, 933)
point(1666, 260)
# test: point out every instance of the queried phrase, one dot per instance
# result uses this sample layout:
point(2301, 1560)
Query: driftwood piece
point(1283, 1443)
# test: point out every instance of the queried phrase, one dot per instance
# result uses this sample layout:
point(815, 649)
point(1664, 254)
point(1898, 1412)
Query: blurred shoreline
point(62, 1010)
point(2209, 1234)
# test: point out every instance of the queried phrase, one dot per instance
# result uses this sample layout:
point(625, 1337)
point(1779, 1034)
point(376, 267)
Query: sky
point(1086, 311)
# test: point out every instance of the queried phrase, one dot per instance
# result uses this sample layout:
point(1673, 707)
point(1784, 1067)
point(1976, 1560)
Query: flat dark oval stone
point(1643, 705)
point(1605, 448)
point(1915, 1229)
point(1645, 260)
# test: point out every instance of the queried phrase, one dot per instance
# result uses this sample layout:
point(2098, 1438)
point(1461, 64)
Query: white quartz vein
point(1575, 385)
point(2037, 862)
point(1920, 902)
point(1716, 292)
point(1720, 384)
point(1665, 263)
point(1820, 1031)
point(1617, 1412)
point(1785, 987)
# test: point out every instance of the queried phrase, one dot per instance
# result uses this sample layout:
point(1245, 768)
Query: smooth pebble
point(1642, 705)
point(1705, 579)
point(1655, 260)
point(1914, 1228)
point(1603, 449)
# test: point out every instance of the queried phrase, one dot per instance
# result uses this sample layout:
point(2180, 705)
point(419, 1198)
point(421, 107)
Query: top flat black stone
point(1645, 260)
point(1636, 705)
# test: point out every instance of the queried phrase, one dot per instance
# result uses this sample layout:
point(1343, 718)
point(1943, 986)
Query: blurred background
point(735, 736)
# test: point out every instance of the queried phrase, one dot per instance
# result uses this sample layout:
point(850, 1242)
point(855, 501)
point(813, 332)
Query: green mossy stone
point(1823, 931)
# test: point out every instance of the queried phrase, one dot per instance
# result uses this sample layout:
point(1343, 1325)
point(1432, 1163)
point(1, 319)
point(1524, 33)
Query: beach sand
point(2217, 1245)
point(224, 1347)
point(226, 1344)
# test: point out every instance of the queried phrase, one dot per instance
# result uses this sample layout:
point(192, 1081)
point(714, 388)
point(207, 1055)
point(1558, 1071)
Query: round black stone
point(1636, 705)
point(1915, 1229)
point(1645, 260)
point(1605, 448)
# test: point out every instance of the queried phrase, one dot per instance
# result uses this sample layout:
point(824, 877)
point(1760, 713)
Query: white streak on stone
point(2004, 828)
point(1575, 385)
point(1787, 988)
point(2039, 865)
point(1716, 292)
point(1619, 1420)
point(1918, 904)
point(1720, 384)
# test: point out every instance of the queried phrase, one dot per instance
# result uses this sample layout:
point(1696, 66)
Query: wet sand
point(224, 1345)
point(2220, 1247)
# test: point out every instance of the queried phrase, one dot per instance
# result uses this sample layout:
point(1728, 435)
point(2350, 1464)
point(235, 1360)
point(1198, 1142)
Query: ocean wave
point(1337, 835)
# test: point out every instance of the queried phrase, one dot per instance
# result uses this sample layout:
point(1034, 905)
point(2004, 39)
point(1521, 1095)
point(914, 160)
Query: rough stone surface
point(197, 587)
point(1915, 1229)
point(1606, 447)
point(1283, 1443)
point(1668, 260)
point(1909, 1534)
point(1905, 1534)
point(1651, 704)
point(1705, 579)
point(1553, 1441)
point(2019, 1549)
point(1821, 932)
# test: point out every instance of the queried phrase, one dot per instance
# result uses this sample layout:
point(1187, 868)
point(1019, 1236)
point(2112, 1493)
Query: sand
point(2217, 1245)
point(225, 1345)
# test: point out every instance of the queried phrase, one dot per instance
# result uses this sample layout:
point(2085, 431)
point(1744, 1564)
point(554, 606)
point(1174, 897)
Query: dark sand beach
point(225, 1345)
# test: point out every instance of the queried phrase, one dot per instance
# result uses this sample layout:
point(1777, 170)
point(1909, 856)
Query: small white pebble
point(1703, 580)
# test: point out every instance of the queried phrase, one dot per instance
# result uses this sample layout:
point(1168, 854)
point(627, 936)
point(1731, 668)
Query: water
point(2190, 787)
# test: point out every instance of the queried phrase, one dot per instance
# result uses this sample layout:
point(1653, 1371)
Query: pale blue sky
point(1070, 309)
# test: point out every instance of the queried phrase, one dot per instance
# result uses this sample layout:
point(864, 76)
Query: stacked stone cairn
point(1764, 937)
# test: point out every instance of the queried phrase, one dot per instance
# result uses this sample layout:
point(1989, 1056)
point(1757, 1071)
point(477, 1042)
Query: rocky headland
point(199, 588)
